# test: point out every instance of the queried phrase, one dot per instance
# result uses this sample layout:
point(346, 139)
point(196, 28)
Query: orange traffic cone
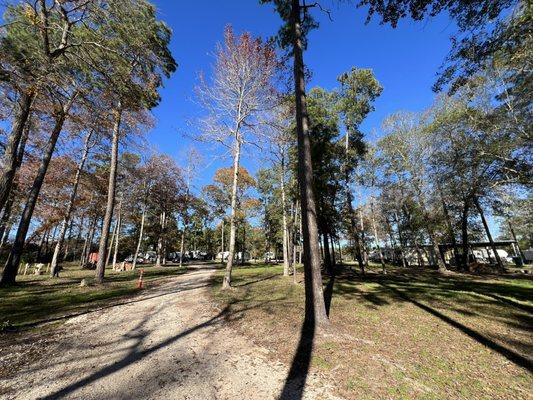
point(140, 281)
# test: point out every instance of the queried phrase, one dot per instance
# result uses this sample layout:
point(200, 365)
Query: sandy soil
point(170, 343)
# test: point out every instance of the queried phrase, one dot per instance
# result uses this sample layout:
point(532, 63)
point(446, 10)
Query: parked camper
point(487, 255)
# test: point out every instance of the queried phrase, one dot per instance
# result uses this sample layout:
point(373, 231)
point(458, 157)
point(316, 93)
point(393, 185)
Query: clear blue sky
point(405, 60)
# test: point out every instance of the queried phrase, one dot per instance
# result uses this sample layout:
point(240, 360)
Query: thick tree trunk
point(106, 224)
point(22, 145)
point(10, 156)
point(232, 232)
point(13, 260)
point(501, 268)
point(284, 214)
point(315, 308)
point(5, 226)
point(6, 216)
point(139, 241)
point(70, 206)
point(8, 206)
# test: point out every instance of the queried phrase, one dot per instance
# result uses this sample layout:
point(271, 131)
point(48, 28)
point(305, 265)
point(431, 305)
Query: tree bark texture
point(10, 156)
point(13, 260)
point(232, 232)
point(315, 309)
point(284, 214)
point(106, 224)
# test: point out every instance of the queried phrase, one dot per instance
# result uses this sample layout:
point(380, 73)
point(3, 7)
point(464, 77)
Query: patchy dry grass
point(40, 298)
point(405, 335)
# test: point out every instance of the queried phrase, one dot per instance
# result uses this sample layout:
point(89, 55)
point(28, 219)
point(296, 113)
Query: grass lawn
point(40, 298)
point(409, 334)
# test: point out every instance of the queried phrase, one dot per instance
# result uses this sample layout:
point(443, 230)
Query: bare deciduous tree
point(236, 100)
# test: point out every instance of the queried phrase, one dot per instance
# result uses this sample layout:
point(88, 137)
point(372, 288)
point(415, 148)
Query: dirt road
point(170, 343)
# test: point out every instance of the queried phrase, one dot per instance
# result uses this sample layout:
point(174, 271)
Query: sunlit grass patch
point(410, 334)
point(39, 298)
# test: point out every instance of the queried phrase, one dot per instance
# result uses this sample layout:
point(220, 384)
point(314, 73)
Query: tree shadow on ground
point(511, 355)
point(139, 334)
point(347, 287)
point(255, 281)
point(499, 302)
point(328, 293)
point(294, 386)
point(135, 354)
point(428, 285)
